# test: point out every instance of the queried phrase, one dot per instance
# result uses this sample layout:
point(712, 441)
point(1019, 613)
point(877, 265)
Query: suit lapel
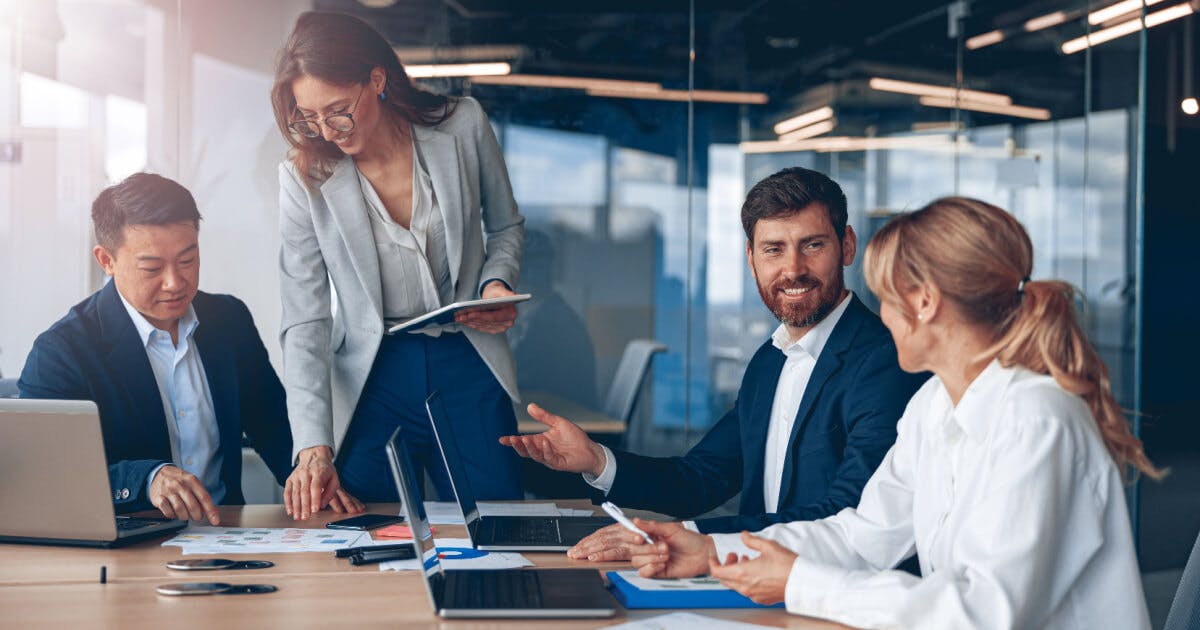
point(132, 373)
point(758, 419)
point(343, 195)
point(220, 369)
point(438, 151)
point(829, 363)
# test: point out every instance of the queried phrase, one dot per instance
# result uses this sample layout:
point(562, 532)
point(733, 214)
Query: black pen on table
point(350, 551)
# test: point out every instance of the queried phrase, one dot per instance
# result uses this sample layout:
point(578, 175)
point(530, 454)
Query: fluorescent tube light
point(1019, 111)
point(1117, 10)
point(1046, 21)
point(705, 96)
point(1125, 28)
point(458, 70)
point(810, 131)
point(569, 83)
point(849, 143)
point(802, 120)
point(941, 91)
point(985, 39)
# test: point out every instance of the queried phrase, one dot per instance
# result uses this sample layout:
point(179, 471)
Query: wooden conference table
point(58, 587)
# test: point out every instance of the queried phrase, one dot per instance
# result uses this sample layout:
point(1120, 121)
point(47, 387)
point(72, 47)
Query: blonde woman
point(1006, 478)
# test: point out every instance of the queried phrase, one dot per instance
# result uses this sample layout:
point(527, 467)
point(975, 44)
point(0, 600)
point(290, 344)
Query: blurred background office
point(632, 131)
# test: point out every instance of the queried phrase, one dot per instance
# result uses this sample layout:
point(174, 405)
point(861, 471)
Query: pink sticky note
point(396, 531)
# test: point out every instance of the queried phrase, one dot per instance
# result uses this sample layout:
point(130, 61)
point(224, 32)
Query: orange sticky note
point(396, 531)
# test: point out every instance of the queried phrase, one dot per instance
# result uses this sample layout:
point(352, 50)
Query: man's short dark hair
point(140, 199)
point(788, 192)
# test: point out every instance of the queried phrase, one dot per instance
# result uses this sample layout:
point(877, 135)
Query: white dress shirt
point(801, 357)
point(1012, 502)
point(186, 399)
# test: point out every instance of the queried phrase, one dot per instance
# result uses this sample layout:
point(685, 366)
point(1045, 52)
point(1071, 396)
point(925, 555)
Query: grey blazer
point(332, 321)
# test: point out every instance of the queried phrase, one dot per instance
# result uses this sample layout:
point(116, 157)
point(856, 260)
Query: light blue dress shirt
point(187, 401)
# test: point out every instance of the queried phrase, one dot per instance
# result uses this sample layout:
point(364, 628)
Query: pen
point(381, 556)
point(350, 551)
point(620, 517)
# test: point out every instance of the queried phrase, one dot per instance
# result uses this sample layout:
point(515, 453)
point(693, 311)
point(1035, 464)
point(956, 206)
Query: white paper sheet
point(443, 513)
point(449, 546)
point(684, 621)
point(201, 539)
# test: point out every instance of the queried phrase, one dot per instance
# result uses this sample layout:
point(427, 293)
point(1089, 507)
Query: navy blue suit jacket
point(845, 425)
point(94, 353)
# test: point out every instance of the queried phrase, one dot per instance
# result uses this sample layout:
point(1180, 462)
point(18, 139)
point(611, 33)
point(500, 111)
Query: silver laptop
point(503, 533)
point(54, 479)
point(513, 593)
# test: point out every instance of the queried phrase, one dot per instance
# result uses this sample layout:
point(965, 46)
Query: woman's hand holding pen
point(490, 320)
point(676, 553)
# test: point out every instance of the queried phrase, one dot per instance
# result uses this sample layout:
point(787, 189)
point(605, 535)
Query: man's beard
point(802, 315)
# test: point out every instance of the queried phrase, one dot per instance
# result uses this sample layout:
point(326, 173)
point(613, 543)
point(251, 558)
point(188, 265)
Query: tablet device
point(445, 315)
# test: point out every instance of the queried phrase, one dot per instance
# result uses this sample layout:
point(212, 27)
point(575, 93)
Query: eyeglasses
point(341, 123)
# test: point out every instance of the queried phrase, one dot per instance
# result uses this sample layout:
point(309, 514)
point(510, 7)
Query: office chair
point(1185, 609)
point(627, 382)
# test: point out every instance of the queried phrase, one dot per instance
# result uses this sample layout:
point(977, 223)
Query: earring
point(920, 317)
point(382, 96)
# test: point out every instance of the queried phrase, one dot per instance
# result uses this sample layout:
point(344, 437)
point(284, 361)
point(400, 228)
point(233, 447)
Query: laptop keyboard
point(524, 530)
point(128, 522)
point(493, 589)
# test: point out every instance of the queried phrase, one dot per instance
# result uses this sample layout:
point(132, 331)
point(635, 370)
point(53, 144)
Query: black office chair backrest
point(1185, 610)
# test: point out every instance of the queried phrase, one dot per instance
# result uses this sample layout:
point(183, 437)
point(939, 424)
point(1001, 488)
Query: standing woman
point(1006, 476)
point(386, 199)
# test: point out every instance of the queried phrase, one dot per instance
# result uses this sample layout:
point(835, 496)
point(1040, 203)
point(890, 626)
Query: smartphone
point(193, 588)
point(364, 522)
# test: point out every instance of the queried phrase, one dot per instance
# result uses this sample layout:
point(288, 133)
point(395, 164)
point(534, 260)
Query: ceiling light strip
point(1125, 28)
point(810, 131)
point(803, 120)
point(1117, 10)
point(498, 68)
point(1020, 111)
point(940, 91)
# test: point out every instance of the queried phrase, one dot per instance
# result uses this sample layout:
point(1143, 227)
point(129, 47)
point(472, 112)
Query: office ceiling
point(780, 47)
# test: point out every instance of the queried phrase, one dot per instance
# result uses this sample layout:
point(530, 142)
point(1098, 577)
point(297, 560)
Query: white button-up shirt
point(186, 399)
point(801, 358)
point(1012, 502)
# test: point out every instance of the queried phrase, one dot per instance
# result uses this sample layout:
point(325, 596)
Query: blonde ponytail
point(980, 257)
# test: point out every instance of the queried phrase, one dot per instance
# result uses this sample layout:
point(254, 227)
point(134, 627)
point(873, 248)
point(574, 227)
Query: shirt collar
point(813, 341)
point(978, 405)
point(187, 323)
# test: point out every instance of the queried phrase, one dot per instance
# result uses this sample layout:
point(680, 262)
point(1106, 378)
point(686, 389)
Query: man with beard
point(818, 404)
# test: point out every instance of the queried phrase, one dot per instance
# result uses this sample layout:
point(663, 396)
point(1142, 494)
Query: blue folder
point(631, 596)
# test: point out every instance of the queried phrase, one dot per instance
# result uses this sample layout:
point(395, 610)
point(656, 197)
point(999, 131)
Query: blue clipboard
point(633, 597)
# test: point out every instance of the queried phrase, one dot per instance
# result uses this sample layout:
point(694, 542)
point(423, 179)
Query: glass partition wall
point(631, 131)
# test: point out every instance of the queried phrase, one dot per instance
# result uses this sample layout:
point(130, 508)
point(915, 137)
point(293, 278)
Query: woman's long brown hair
point(343, 50)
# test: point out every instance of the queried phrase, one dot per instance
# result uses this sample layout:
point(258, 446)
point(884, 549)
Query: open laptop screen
point(443, 432)
point(404, 475)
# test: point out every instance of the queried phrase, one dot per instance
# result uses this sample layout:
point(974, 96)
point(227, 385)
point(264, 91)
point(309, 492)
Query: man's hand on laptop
point(607, 544)
point(179, 494)
point(564, 446)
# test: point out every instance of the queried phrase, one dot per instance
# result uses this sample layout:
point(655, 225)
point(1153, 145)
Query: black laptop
point(54, 479)
point(503, 533)
point(577, 593)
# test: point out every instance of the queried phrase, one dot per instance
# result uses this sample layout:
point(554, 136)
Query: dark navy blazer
point(94, 353)
point(845, 425)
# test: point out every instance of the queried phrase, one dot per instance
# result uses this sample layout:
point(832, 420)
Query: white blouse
point(1012, 502)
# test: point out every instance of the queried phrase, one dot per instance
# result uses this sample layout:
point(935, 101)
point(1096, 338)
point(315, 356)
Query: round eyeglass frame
point(342, 123)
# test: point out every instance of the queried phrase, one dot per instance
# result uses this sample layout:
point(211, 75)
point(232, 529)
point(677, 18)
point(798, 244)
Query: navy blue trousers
point(407, 369)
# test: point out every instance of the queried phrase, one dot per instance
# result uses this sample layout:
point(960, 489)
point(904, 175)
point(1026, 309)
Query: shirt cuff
point(604, 482)
point(150, 478)
point(809, 587)
point(691, 527)
point(731, 543)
